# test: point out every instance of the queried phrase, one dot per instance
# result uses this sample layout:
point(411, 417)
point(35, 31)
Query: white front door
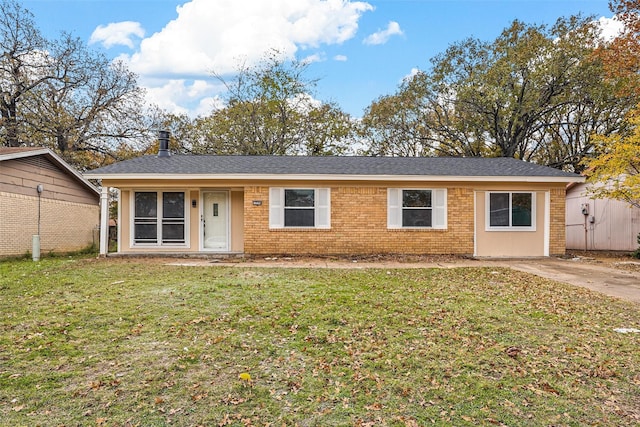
point(215, 220)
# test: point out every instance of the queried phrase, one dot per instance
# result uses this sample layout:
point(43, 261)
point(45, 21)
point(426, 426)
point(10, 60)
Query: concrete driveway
point(610, 278)
point(606, 279)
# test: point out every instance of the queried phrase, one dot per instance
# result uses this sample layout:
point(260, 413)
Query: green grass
point(135, 342)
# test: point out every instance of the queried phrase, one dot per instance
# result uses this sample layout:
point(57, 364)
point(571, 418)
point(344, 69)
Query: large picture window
point(417, 208)
point(159, 218)
point(299, 208)
point(511, 210)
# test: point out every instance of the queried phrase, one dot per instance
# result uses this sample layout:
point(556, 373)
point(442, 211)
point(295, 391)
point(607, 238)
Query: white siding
point(611, 225)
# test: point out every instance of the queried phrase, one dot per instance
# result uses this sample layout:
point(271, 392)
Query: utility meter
point(585, 209)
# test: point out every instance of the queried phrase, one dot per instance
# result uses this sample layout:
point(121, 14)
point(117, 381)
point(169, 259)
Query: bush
point(636, 253)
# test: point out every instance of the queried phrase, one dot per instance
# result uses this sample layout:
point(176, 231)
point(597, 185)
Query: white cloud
point(180, 96)
point(414, 72)
point(207, 105)
point(610, 27)
point(316, 57)
point(304, 102)
point(117, 33)
point(341, 58)
point(382, 36)
point(215, 35)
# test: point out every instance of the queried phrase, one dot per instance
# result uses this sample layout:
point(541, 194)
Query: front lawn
point(135, 342)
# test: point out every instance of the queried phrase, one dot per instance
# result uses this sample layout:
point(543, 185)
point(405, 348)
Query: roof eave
point(23, 154)
point(55, 159)
point(333, 177)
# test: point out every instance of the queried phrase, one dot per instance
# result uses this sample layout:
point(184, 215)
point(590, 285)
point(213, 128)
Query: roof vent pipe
point(163, 139)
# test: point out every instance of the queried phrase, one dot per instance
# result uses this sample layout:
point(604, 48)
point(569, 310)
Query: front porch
point(176, 222)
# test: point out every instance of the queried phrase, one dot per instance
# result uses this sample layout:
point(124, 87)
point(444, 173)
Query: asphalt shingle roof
point(327, 165)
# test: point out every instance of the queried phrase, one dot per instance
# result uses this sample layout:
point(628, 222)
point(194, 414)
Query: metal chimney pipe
point(163, 139)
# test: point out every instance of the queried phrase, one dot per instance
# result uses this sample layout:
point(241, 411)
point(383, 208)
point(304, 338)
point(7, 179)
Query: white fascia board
point(303, 177)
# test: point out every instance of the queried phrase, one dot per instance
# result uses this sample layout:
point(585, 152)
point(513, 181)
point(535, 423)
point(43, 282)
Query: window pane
point(521, 209)
point(416, 217)
point(146, 233)
point(299, 218)
point(173, 233)
point(499, 209)
point(416, 198)
point(146, 205)
point(173, 205)
point(299, 198)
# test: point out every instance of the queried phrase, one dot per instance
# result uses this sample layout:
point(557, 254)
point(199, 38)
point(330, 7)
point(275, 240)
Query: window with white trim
point(159, 218)
point(511, 210)
point(417, 208)
point(299, 207)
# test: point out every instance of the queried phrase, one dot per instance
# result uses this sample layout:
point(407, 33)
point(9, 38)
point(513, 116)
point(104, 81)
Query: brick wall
point(64, 226)
point(557, 244)
point(358, 226)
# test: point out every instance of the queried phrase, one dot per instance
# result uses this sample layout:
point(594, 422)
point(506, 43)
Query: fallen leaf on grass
point(546, 387)
point(513, 351)
point(228, 400)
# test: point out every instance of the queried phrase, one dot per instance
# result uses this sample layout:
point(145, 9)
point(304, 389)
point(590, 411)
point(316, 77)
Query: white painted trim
point(398, 207)
point(547, 222)
point(119, 223)
point(334, 177)
point(280, 225)
point(511, 228)
point(475, 223)
point(104, 221)
point(132, 219)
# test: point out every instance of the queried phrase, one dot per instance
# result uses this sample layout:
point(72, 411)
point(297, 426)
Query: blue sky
point(359, 50)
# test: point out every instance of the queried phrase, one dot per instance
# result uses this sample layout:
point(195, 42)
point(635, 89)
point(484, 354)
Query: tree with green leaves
point(268, 110)
point(534, 93)
point(617, 167)
point(59, 94)
point(615, 171)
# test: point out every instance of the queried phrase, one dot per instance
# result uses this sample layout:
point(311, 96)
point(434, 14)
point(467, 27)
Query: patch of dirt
point(371, 259)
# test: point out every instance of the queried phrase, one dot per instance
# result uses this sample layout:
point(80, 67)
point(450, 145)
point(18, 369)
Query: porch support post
point(104, 221)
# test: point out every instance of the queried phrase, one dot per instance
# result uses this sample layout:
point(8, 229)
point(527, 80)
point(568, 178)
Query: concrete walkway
point(605, 278)
point(616, 282)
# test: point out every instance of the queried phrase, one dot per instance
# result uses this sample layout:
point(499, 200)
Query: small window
point(511, 211)
point(173, 217)
point(168, 228)
point(417, 208)
point(299, 208)
point(146, 217)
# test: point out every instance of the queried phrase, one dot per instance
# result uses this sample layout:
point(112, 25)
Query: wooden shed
point(599, 224)
point(41, 194)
